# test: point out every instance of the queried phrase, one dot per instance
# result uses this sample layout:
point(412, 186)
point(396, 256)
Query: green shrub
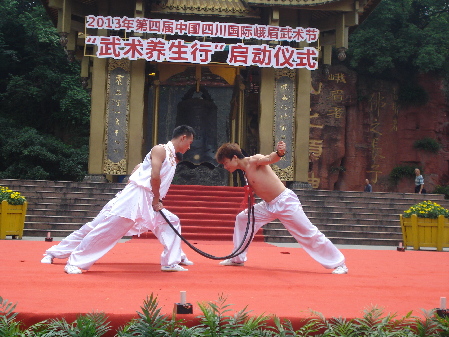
point(218, 320)
point(412, 93)
point(26, 153)
point(400, 172)
point(427, 144)
point(442, 190)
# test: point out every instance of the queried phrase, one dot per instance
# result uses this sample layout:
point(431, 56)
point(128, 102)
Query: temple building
point(235, 70)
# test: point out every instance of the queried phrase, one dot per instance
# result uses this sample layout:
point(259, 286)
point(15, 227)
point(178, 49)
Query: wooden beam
point(65, 16)
point(340, 31)
point(327, 54)
point(351, 18)
point(55, 4)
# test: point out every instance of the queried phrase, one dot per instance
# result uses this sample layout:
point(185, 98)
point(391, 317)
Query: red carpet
point(281, 281)
point(207, 213)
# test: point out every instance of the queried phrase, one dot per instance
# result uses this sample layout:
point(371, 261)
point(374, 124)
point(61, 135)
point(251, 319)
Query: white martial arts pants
point(93, 240)
point(287, 208)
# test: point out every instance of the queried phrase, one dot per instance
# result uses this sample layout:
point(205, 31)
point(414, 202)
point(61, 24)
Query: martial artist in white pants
point(287, 208)
point(278, 202)
point(104, 233)
point(134, 210)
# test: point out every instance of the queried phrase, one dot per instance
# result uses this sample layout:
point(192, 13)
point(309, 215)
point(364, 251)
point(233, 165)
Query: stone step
point(365, 203)
point(353, 209)
point(340, 240)
point(317, 221)
point(64, 207)
point(344, 227)
point(42, 232)
point(325, 214)
point(340, 194)
point(344, 217)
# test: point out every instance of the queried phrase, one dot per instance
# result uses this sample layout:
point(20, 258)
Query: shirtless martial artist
point(134, 210)
point(278, 202)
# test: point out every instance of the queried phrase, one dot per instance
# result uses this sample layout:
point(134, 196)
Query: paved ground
point(287, 245)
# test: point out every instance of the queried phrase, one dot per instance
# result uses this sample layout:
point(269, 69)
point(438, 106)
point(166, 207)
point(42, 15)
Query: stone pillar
point(136, 114)
point(98, 108)
point(285, 115)
point(266, 110)
point(302, 121)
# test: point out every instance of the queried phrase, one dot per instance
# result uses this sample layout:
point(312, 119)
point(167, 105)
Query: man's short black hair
point(183, 130)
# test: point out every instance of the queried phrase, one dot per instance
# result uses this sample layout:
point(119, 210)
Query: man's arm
point(273, 157)
point(157, 158)
point(136, 167)
point(134, 170)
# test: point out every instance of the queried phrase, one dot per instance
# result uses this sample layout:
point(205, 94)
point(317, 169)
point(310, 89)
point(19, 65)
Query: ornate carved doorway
point(201, 98)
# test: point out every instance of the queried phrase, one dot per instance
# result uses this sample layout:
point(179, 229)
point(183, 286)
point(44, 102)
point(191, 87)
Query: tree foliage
point(44, 110)
point(402, 38)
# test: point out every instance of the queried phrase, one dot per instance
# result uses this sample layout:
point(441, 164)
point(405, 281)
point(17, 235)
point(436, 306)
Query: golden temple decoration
point(117, 116)
point(284, 120)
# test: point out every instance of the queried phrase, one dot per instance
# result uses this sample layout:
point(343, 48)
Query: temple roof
point(231, 8)
point(234, 8)
point(297, 3)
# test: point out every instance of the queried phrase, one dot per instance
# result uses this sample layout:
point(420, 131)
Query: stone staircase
point(354, 218)
point(208, 212)
point(60, 207)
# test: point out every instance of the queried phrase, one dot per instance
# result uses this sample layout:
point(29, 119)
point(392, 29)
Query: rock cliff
point(359, 130)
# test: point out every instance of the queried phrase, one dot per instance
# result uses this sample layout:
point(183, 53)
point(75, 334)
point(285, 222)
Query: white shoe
point(342, 269)
point(228, 262)
point(173, 267)
point(186, 262)
point(48, 259)
point(69, 269)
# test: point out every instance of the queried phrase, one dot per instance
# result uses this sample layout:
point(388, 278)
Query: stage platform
point(283, 281)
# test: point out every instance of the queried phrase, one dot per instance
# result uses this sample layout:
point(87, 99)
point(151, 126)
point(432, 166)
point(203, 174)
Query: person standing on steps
point(419, 182)
point(368, 187)
point(134, 210)
point(278, 202)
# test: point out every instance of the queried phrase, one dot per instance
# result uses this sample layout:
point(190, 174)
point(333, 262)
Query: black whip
point(233, 254)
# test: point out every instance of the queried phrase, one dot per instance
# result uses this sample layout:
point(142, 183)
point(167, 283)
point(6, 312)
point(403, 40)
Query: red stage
point(281, 281)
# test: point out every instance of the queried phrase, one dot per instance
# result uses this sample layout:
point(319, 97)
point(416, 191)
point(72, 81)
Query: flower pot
point(425, 232)
point(12, 219)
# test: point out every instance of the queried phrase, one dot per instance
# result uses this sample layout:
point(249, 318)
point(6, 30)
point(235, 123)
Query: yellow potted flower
point(12, 213)
point(425, 225)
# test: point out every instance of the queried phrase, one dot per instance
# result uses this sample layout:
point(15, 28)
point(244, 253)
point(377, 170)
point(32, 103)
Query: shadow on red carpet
point(281, 281)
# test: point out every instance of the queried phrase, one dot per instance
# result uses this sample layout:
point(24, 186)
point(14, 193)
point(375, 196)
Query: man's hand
point(281, 148)
point(158, 206)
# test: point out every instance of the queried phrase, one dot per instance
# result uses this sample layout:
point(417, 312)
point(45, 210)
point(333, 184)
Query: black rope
point(233, 254)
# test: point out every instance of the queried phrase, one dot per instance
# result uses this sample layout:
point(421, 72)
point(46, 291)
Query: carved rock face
point(360, 131)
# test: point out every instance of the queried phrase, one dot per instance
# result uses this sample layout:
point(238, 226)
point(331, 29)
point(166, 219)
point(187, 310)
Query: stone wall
point(358, 130)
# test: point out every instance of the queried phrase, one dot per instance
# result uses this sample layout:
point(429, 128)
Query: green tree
point(402, 38)
point(41, 98)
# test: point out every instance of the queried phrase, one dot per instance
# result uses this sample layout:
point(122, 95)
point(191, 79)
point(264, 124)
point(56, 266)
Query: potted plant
point(425, 224)
point(12, 213)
